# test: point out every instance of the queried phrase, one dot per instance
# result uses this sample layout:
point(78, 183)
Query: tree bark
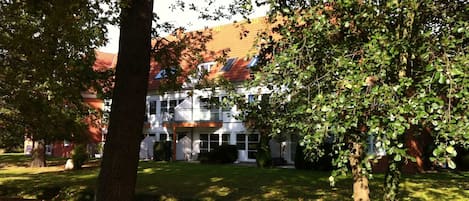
point(38, 154)
point(118, 172)
point(392, 180)
point(361, 191)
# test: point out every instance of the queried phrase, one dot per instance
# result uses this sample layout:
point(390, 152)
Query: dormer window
point(229, 63)
point(163, 74)
point(207, 66)
point(253, 62)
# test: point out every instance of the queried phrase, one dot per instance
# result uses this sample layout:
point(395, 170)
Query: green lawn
point(189, 181)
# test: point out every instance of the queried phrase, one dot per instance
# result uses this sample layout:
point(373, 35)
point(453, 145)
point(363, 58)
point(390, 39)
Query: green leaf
point(442, 79)
point(397, 157)
point(451, 164)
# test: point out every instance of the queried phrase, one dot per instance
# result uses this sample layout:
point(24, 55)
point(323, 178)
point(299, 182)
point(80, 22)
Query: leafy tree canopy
point(348, 70)
point(47, 49)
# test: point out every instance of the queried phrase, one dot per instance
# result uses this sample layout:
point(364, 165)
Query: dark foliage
point(79, 156)
point(223, 154)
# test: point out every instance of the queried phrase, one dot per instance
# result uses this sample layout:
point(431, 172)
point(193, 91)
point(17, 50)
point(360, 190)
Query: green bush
point(323, 163)
point(79, 156)
point(159, 151)
point(222, 155)
point(300, 162)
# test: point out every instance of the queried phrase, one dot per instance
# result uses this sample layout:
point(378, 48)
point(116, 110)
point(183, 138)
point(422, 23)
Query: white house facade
point(193, 126)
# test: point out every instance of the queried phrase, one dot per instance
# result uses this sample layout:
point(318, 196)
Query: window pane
point(203, 143)
point(251, 98)
point(253, 137)
point(229, 63)
point(241, 137)
point(164, 106)
point(152, 107)
point(162, 137)
point(204, 137)
point(213, 145)
point(214, 137)
point(225, 138)
point(241, 141)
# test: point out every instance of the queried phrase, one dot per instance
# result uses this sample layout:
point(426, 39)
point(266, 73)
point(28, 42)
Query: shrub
point(162, 151)
point(300, 162)
point(79, 156)
point(205, 157)
point(223, 154)
point(159, 151)
point(323, 163)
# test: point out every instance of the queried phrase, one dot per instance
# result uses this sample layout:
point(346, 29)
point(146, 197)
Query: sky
point(187, 19)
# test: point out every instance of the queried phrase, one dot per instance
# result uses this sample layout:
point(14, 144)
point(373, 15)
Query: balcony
point(192, 115)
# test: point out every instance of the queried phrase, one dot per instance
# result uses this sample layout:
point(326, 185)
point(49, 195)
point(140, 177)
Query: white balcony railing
point(192, 115)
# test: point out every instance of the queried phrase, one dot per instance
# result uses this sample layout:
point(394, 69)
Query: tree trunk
point(392, 180)
point(118, 172)
point(361, 191)
point(38, 154)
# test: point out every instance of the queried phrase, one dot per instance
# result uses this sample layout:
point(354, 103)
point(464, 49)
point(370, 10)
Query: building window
point(166, 137)
point(248, 143)
point(164, 107)
point(203, 143)
point(241, 141)
point(207, 66)
point(162, 137)
point(253, 141)
point(251, 98)
point(253, 62)
point(225, 139)
point(375, 146)
point(208, 142)
point(229, 63)
point(163, 73)
point(152, 107)
point(172, 105)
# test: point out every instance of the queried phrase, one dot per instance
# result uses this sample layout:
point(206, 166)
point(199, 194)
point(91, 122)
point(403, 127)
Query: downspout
point(174, 142)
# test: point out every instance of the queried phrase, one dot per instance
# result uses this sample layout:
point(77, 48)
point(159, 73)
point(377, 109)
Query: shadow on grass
point(187, 181)
point(22, 160)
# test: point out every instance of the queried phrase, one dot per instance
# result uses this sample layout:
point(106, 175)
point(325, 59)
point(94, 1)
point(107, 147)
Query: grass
point(189, 181)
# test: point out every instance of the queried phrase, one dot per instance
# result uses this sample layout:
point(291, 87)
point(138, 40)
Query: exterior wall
point(64, 148)
point(190, 109)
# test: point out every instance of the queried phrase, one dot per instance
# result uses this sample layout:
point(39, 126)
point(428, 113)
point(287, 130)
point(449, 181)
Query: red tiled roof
point(234, 40)
point(104, 61)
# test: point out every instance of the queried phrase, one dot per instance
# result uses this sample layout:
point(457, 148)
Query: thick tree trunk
point(118, 173)
point(38, 154)
point(361, 191)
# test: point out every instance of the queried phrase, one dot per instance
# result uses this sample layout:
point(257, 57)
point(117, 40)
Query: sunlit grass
point(189, 181)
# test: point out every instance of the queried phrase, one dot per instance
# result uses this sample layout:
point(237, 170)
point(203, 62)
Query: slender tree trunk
point(392, 180)
point(361, 191)
point(38, 154)
point(118, 173)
